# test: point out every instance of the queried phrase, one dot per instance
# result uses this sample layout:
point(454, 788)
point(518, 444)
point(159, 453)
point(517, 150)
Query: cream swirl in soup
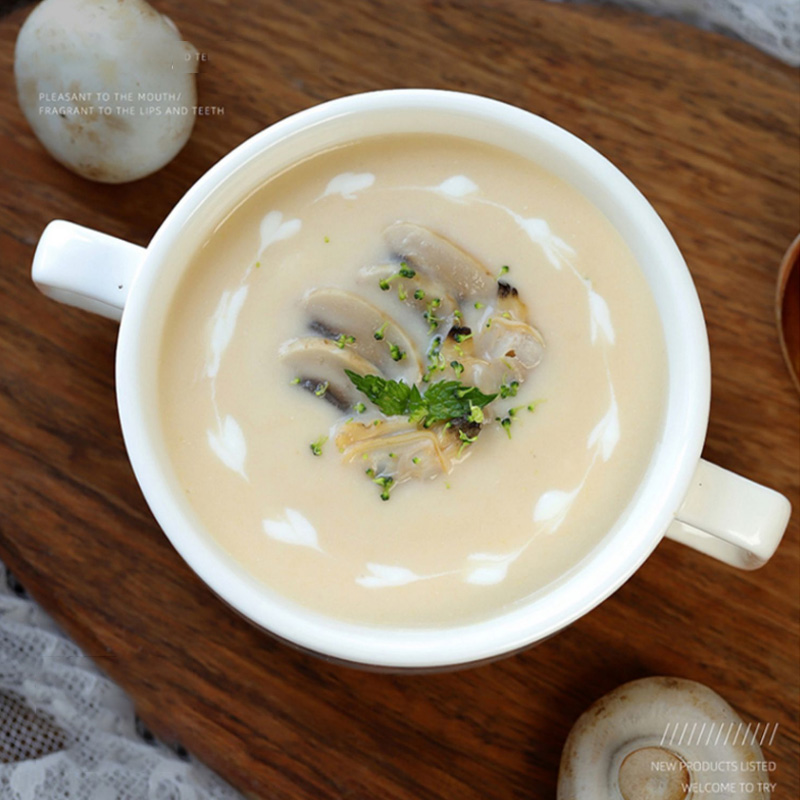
point(289, 461)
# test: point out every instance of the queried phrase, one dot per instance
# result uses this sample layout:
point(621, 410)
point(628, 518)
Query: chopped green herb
point(429, 315)
point(385, 482)
point(396, 353)
point(506, 315)
point(504, 270)
point(436, 359)
point(419, 294)
point(258, 264)
point(321, 389)
point(316, 447)
point(489, 322)
point(327, 239)
point(465, 440)
point(415, 460)
point(294, 381)
point(405, 271)
point(479, 306)
point(401, 292)
point(475, 414)
point(344, 339)
point(360, 408)
point(509, 389)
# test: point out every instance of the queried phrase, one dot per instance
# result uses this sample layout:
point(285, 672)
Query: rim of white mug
point(595, 578)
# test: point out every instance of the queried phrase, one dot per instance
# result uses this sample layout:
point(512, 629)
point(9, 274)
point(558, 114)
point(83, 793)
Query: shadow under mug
point(680, 495)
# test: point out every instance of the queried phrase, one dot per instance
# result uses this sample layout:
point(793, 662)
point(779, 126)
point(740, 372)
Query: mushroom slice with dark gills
point(355, 324)
point(393, 451)
point(427, 252)
point(318, 365)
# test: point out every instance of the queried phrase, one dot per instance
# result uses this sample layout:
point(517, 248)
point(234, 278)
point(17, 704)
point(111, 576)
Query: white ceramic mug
point(680, 495)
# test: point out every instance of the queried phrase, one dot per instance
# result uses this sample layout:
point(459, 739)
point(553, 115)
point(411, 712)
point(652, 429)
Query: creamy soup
point(550, 348)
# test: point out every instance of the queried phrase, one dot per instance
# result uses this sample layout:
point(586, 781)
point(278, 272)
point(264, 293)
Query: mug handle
point(730, 517)
point(85, 268)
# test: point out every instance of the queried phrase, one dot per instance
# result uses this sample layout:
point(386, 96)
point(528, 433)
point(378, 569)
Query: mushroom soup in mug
point(412, 380)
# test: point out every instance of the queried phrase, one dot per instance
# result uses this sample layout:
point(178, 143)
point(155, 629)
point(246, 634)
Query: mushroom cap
point(438, 257)
point(338, 312)
point(108, 88)
point(652, 738)
point(316, 362)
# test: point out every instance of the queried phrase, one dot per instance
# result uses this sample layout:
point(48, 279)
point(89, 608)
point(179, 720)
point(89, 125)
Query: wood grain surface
point(705, 126)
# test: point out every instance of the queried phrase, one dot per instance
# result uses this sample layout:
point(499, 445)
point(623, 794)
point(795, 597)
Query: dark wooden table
point(705, 126)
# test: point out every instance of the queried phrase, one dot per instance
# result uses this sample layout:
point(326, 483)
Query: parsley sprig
point(443, 401)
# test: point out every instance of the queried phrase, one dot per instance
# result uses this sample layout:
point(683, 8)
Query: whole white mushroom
point(108, 86)
point(662, 738)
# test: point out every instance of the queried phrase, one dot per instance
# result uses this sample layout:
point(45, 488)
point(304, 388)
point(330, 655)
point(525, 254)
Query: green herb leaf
point(443, 401)
point(448, 400)
point(390, 396)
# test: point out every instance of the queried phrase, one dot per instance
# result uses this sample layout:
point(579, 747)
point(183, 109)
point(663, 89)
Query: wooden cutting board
point(707, 128)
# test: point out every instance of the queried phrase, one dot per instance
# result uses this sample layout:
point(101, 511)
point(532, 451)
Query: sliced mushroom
point(397, 449)
point(319, 365)
point(652, 739)
point(433, 255)
point(423, 293)
point(373, 334)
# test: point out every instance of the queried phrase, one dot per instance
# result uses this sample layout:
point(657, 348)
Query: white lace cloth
point(69, 733)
